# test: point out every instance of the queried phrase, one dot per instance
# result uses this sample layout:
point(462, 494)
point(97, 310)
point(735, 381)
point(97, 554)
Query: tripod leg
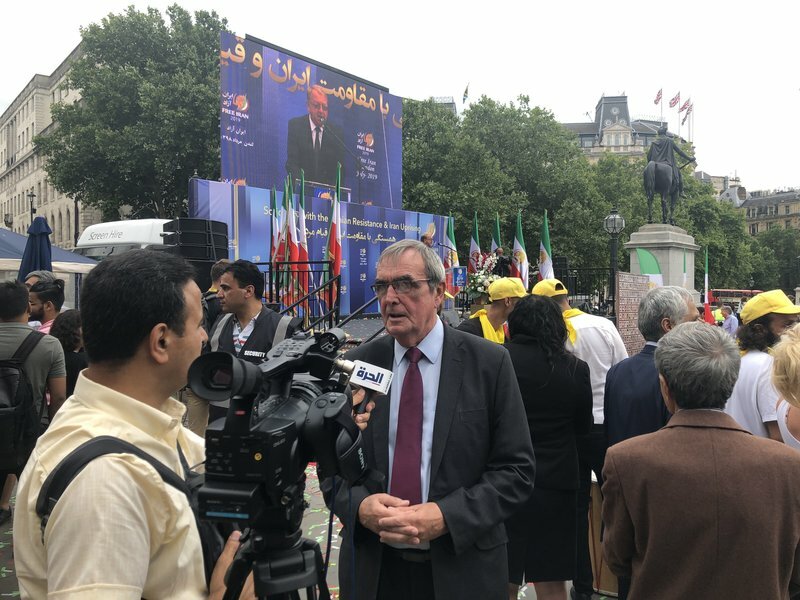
point(236, 576)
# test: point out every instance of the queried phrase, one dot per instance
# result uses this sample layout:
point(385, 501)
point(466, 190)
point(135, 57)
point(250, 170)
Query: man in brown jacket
point(702, 508)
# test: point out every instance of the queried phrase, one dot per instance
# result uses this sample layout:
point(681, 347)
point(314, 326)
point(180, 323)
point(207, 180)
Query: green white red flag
point(333, 248)
point(450, 253)
point(496, 233)
point(519, 257)
point(474, 247)
point(545, 255)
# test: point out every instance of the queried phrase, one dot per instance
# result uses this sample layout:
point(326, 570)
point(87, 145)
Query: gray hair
point(434, 270)
point(42, 275)
point(700, 364)
point(668, 302)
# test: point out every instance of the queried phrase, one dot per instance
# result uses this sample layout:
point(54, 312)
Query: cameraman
point(118, 530)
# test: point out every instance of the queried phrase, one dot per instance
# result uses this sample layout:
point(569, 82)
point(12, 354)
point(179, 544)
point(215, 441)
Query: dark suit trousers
point(591, 456)
point(403, 579)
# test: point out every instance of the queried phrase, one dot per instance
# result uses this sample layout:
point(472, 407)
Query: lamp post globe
point(614, 224)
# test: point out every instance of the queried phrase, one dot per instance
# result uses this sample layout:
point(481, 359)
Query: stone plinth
point(668, 244)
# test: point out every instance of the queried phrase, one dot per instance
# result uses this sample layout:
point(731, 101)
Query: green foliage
point(148, 114)
point(778, 250)
point(509, 157)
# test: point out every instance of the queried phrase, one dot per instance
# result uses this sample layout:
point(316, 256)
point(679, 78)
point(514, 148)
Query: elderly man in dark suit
point(313, 143)
point(451, 438)
point(702, 508)
point(633, 403)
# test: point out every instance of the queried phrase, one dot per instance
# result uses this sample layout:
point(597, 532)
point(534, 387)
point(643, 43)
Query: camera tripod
point(279, 573)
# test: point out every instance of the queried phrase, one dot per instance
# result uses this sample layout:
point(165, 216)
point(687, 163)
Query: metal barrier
point(588, 289)
point(305, 289)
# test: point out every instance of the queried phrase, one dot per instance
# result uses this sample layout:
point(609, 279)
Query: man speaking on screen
point(314, 144)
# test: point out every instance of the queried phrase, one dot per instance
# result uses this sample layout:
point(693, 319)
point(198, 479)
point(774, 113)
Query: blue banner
point(281, 113)
point(366, 231)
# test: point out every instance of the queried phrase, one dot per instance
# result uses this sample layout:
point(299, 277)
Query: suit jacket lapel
point(379, 422)
point(449, 391)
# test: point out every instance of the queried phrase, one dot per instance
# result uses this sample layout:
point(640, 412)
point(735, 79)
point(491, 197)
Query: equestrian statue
point(662, 176)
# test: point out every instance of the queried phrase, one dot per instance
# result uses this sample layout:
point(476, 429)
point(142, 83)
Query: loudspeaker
point(197, 240)
point(204, 225)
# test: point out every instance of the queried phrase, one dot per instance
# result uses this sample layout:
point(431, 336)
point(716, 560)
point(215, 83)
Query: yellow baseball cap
point(773, 301)
point(506, 287)
point(549, 288)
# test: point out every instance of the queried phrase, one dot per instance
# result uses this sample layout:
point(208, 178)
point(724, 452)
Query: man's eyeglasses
point(401, 286)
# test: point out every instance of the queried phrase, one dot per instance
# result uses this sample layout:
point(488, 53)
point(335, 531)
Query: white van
point(106, 239)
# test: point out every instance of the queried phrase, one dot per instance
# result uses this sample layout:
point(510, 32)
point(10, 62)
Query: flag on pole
point(290, 250)
point(333, 247)
point(496, 233)
point(648, 265)
point(519, 258)
point(275, 226)
point(708, 316)
point(466, 94)
point(658, 96)
point(545, 255)
point(674, 102)
point(474, 247)
point(686, 116)
point(685, 105)
point(302, 242)
point(690, 109)
point(450, 253)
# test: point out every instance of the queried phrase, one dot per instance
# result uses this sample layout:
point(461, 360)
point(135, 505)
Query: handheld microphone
point(375, 380)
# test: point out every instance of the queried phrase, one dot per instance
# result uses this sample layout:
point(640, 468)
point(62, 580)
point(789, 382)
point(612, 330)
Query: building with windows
point(23, 181)
point(766, 210)
point(614, 131)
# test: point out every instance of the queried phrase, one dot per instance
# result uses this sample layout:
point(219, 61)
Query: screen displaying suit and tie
point(281, 113)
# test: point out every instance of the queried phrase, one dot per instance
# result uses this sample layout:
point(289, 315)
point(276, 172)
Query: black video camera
point(294, 408)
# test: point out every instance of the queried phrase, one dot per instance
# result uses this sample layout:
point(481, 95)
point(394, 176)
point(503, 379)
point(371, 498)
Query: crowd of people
point(487, 441)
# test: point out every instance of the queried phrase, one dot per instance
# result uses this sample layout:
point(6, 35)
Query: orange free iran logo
point(241, 103)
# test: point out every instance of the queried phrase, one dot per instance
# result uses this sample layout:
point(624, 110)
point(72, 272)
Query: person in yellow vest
point(488, 322)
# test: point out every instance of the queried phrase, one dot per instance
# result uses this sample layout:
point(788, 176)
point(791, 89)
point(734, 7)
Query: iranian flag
point(302, 239)
point(474, 247)
point(708, 316)
point(519, 259)
point(648, 265)
point(275, 226)
point(333, 248)
point(450, 254)
point(545, 255)
point(496, 233)
point(288, 289)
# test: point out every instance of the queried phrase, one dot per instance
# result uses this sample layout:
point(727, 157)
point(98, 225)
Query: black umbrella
point(37, 255)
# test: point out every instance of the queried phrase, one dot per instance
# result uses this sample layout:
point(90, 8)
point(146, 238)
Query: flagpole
point(678, 108)
point(662, 104)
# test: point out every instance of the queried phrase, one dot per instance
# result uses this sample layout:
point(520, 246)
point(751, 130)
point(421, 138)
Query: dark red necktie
point(408, 443)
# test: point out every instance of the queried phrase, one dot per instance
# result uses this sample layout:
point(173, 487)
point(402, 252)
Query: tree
point(446, 170)
point(148, 116)
point(780, 270)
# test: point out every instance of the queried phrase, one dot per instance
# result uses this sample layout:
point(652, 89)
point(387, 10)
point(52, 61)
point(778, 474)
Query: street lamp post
point(32, 197)
point(614, 224)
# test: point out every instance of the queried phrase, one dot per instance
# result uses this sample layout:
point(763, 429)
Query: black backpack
point(19, 417)
point(211, 536)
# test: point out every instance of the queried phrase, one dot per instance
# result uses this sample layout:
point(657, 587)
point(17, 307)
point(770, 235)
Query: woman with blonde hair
point(786, 378)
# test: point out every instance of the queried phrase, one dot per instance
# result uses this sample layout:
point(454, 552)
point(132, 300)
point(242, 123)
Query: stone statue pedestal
point(669, 244)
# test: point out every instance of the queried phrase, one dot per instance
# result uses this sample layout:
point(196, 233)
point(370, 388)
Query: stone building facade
point(768, 210)
point(23, 180)
point(614, 131)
